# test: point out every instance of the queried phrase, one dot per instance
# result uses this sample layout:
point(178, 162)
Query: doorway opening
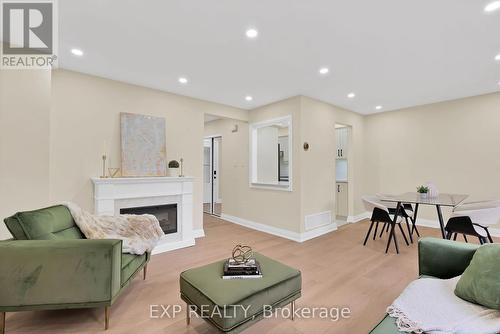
point(212, 199)
point(342, 173)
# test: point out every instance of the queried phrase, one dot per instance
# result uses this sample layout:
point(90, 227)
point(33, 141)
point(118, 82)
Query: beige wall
point(24, 141)
point(233, 167)
point(313, 171)
point(275, 208)
point(318, 121)
point(52, 134)
point(454, 144)
point(50, 146)
point(85, 113)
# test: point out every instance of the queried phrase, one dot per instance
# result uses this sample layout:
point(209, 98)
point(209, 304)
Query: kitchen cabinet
point(342, 138)
point(283, 141)
point(341, 199)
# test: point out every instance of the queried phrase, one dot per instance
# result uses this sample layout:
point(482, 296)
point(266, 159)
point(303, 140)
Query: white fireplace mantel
point(113, 194)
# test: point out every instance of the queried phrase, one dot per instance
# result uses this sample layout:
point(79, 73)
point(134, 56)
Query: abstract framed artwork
point(143, 145)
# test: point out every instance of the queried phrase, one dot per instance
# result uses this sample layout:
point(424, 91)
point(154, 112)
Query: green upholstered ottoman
point(235, 304)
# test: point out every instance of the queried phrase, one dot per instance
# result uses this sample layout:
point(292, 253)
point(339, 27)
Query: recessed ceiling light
point(183, 80)
point(248, 98)
point(492, 6)
point(497, 57)
point(378, 107)
point(252, 33)
point(77, 52)
point(351, 95)
point(324, 70)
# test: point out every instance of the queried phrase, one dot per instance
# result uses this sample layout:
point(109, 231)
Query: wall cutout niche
point(271, 154)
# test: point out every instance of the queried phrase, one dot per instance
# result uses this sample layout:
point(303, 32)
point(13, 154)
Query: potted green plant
point(173, 168)
point(423, 191)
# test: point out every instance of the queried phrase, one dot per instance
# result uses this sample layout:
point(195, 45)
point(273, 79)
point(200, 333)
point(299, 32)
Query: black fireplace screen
point(166, 214)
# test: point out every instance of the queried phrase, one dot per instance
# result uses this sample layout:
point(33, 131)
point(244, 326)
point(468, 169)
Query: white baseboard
point(170, 246)
point(166, 247)
point(317, 232)
point(316, 220)
point(495, 232)
point(428, 222)
point(420, 221)
point(367, 215)
point(198, 233)
point(358, 218)
point(280, 232)
point(341, 222)
point(301, 237)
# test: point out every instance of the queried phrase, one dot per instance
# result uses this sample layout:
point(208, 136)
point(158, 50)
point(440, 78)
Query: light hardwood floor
point(217, 208)
point(336, 271)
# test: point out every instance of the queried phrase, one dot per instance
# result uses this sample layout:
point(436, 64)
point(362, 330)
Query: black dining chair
point(407, 213)
point(381, 214)
point(472, 219)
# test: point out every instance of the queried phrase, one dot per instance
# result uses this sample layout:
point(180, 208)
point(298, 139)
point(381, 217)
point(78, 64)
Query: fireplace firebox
point(166, 214)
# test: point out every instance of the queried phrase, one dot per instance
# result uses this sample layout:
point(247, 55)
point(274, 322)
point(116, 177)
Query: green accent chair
point(436, 258)
point(51, 265)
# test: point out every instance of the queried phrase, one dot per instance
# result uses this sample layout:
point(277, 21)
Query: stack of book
point(235, 270)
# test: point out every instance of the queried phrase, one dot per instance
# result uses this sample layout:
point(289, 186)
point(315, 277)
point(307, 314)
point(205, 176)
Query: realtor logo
point(28, 32)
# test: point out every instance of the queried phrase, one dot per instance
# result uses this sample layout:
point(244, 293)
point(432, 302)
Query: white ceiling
point(394, 53)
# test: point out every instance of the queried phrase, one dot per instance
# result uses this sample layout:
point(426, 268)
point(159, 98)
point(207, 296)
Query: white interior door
point(207, 173)
point(216, 170)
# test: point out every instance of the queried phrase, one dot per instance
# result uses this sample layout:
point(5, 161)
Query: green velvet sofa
point(436, 258)
point(51, 265)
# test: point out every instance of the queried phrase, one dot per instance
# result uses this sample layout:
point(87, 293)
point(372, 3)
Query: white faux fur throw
point(140, 233)
point(429, 305)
